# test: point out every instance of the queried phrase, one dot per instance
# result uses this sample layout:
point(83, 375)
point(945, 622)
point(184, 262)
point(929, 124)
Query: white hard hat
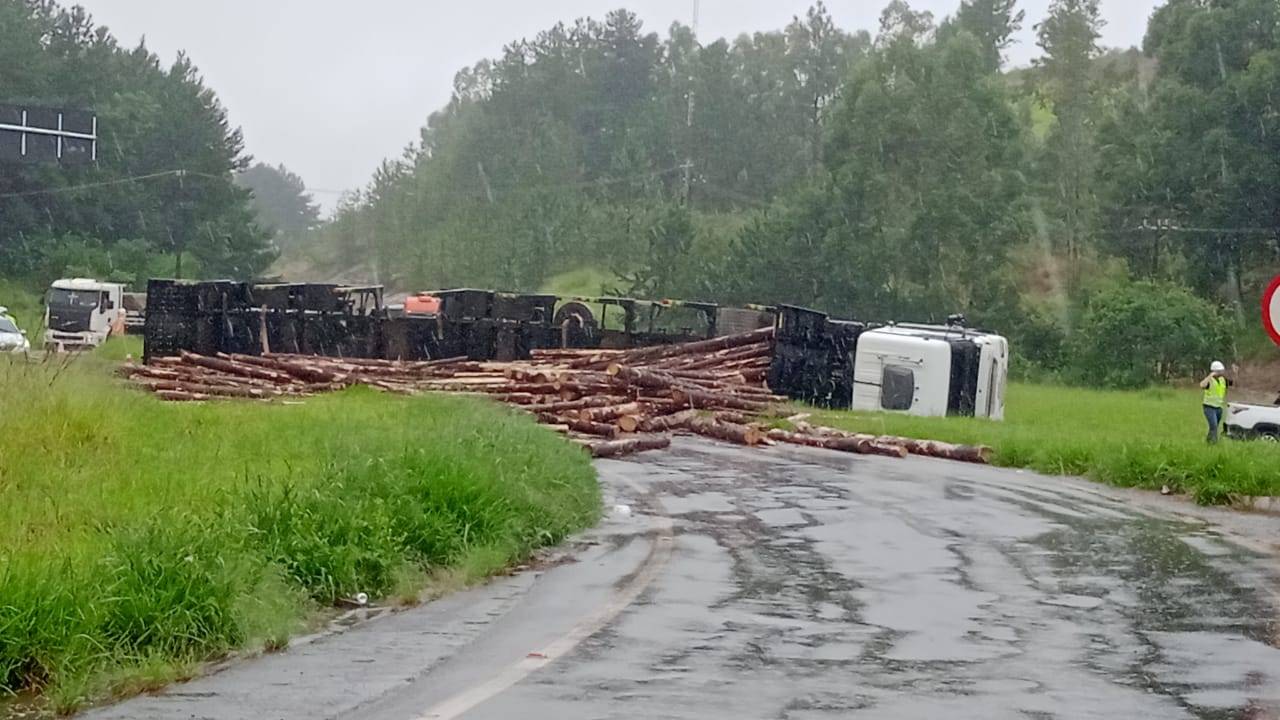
point(1217, 367)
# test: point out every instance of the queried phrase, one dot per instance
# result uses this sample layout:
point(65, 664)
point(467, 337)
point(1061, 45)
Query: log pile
point(612, 402)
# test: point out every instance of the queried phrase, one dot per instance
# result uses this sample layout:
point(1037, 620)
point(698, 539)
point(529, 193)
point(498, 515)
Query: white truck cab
point(931, 370)
point(82, 313)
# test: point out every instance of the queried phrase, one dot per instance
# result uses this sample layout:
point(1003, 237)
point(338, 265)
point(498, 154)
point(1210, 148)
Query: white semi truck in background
point(81, 313)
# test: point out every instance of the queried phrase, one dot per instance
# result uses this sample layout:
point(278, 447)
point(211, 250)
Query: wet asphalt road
point(799, 584)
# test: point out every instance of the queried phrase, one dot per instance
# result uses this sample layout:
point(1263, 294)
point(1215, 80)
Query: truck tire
point(578, 325)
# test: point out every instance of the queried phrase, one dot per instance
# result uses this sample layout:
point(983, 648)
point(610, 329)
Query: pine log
point(706, 400)
point(722, 358)
point(519, 398)
point(556, 353)
point(587, 402)
point(586, 427)
point(736, 418)
point(707, 376)
point(610, 412)
point(637, 377)
point(860, 446)
point(979, 454)
point(157, 386)
point(628, 423)
point(629, 446)
point(584, 389)
point(523, 388)
point(667, 423)
point(181, 396)
point(650, 355)
point(235, 368)
point(295, 369)
point(928, 448)
point(729, 432)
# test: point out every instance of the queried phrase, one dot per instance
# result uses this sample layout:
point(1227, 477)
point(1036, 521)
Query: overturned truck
point(918, 369)
point(930, 370)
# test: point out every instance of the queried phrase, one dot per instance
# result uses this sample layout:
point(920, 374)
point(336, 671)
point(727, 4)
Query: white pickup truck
point(1253, 422)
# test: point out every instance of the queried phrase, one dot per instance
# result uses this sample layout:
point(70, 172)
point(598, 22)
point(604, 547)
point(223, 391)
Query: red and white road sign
point(1271, 310)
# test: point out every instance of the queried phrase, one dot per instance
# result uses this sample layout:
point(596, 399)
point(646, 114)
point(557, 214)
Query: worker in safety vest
point(1215, 398)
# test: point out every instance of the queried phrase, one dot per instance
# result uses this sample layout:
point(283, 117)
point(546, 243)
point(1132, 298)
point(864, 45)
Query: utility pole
point(693, 96)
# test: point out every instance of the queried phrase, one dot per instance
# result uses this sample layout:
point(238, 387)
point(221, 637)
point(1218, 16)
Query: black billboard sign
point(30, 133)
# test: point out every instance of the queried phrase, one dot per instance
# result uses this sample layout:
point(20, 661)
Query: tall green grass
point(138, 538)
point(1144, 439)
point(26, 306)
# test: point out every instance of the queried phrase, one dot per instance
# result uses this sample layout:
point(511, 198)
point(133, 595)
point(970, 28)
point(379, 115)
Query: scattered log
point(843, 444)
point(927, 448)
point(725, 358)
point(649, 355)
point(519, 398)
point(234, 368)
point(668, 423)
point(978, 454)
point(180, 396)
point(299, 370)
point(193, 388)
point(574, 390)
point(629, 446)
point(578, 425)
point(729, 432)
point(736, 418)
point(611, 412)
point(635, 377)
point(708, 400)
point(588, 402)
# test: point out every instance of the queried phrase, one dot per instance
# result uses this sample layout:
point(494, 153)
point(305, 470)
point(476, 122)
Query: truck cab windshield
point(73, 298)
point(7, 326)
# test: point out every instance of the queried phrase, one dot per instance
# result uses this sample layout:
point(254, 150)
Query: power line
point(107, 183)
point(1201, 230)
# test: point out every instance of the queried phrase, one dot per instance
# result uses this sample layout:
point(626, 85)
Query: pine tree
point(1069, 39)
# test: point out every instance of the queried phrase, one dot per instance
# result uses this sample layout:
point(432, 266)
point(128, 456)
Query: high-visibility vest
point(1216, 394)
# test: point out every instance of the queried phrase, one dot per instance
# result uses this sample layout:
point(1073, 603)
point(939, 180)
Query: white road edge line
point(462, 702)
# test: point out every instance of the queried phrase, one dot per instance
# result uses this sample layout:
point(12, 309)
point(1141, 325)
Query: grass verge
point(138, 538)
point(1145, 439)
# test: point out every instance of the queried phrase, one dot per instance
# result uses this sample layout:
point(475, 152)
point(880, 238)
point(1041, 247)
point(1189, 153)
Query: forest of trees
point(907, 174)
point(160, 200)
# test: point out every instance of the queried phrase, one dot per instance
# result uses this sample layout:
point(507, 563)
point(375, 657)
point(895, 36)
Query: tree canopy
point(281, 202)
point(162, 185)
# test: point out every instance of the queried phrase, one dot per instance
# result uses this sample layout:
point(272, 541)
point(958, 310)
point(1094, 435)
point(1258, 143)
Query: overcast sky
point(331, 87)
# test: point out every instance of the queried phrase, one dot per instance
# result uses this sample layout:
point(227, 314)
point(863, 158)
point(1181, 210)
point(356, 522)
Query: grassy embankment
point(138, 539)
point(1144, 439)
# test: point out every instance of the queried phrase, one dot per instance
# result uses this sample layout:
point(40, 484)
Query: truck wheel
point(578, 325)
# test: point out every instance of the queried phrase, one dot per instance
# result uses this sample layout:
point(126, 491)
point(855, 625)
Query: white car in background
point(1253, 422)
point(12, 340)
